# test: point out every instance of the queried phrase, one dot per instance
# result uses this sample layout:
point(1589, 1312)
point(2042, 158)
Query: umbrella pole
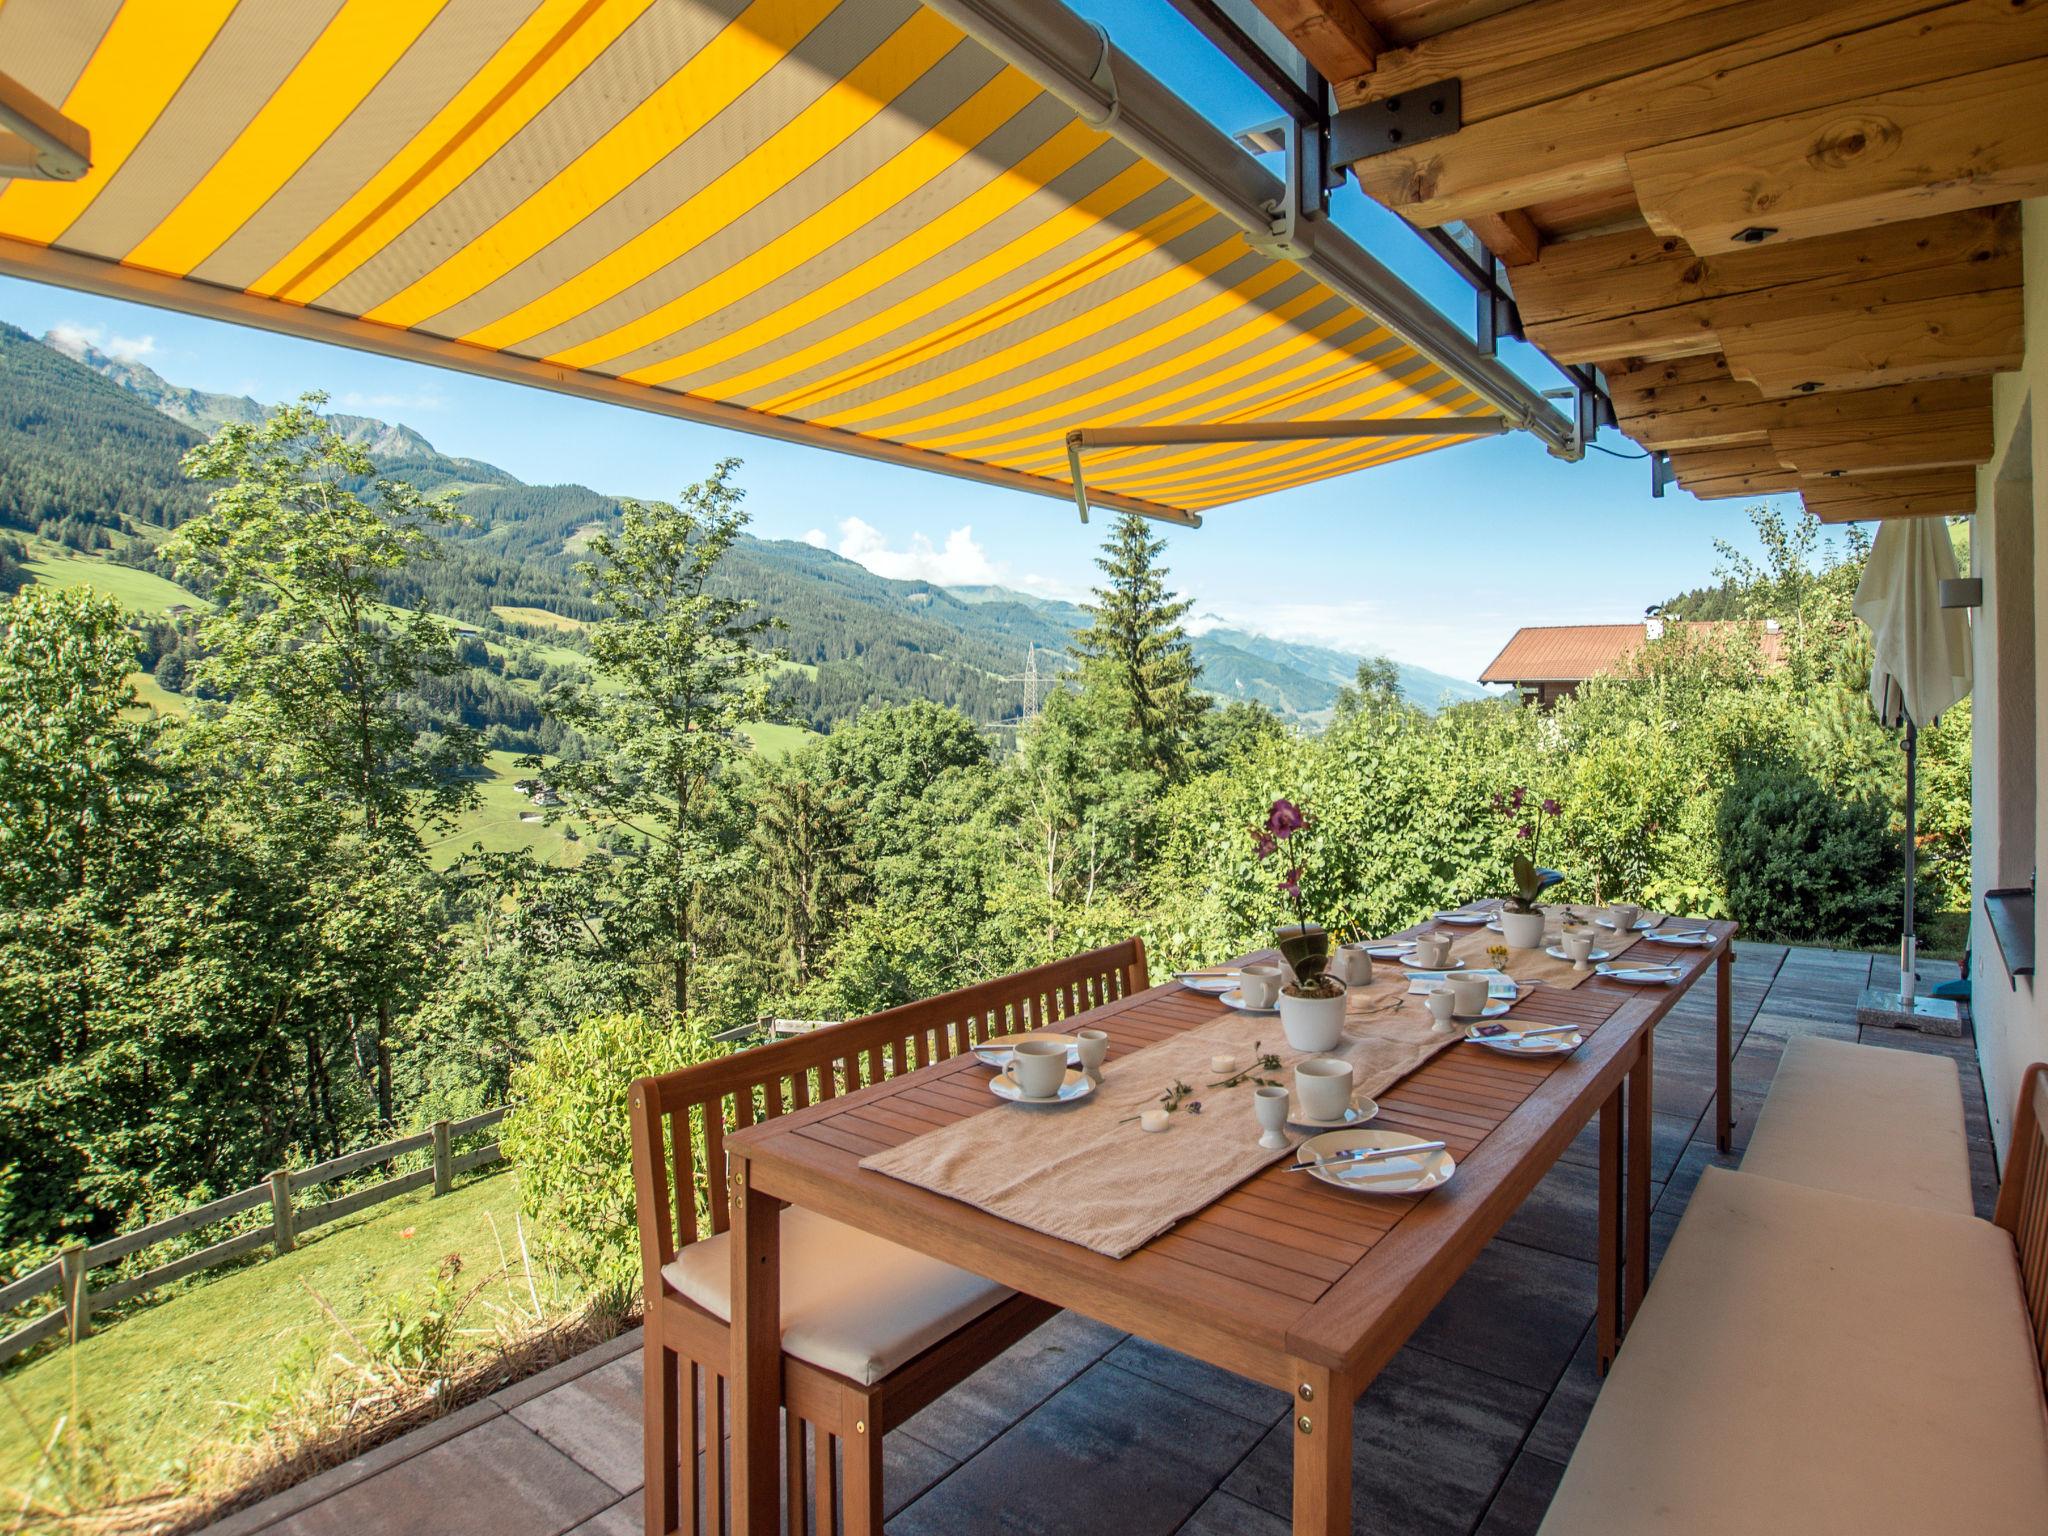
point(1908, 945)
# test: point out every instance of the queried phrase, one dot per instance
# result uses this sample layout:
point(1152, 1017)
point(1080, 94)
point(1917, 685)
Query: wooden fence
point(68, 1274)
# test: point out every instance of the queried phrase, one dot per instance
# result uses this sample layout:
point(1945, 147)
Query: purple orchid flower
point(1285, 819)
point(1292, 884)
point(1516, 796)
point(1552, 808)
point(1525, 831)
point(1263, 843)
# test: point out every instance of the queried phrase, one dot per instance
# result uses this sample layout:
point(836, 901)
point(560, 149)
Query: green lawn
point(137, 591)
point(773, 741)
point(157, 1382)
point(540, 618)
point(496, 823)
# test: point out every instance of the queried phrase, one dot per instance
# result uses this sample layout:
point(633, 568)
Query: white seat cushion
point(852, 1303)
point(1865, 1120)
point(1812, 1364)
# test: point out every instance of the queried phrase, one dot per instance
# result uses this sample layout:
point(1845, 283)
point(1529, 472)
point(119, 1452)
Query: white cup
point(1270, 1105)
point(1432, 950)
point(1352, 965)
point(1578, 948)
point(1324, 1085)
point(1258, 985)
point(1624, 918)
point(1039, 1067)
point(1094, 1048)
point(1441, 1005)
point(1468, 994)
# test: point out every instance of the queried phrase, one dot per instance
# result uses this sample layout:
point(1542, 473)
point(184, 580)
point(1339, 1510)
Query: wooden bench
point(1815, 1361)
point(871, 1332)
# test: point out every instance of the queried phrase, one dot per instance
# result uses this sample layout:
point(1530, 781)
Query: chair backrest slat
point(2023, 1201)
point(680, 1111)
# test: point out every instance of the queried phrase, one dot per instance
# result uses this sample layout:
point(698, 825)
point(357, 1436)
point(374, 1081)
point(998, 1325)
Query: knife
point(1366, 1155)
point(1527, 1034)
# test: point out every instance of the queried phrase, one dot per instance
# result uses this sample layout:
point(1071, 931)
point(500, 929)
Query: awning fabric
point(844, 222)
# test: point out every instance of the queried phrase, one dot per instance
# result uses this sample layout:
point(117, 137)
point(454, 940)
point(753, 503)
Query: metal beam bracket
point(37, 142)
point(1264, 432)
point(1305, 201)
point(1661, 476)
point(1413, 117)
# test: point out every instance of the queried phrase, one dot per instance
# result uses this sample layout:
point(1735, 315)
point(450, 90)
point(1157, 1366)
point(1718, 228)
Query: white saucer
point(1542, 1045)
point(1678, 940)
point(1643, 924)
point(1416, 965)
point(1392, 1176)
point(1362, 1109)
point(1214, 986)
point(1640, 978)
point(1464, 919)
point(1495, 1008)
point(1077, 1086)
point(1390, 951)
point(995, 1051)
point(1232, 1000)
point(1556, 952)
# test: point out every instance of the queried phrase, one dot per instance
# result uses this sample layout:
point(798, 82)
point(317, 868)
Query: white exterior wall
point(2009, 550)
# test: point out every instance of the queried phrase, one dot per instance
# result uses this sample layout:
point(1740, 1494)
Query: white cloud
point(75, 339)
point(960, 562)
point(423, 400)
point(817, 539)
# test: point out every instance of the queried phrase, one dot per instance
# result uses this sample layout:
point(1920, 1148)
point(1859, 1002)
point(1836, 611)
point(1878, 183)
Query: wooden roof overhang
point(1785, 231)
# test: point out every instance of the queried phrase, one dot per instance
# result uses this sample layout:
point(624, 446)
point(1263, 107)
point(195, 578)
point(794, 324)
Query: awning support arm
point(37, 142)
point(1264, 432)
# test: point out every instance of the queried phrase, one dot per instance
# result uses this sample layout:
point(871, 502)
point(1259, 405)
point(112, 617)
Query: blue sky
point(1435, 560)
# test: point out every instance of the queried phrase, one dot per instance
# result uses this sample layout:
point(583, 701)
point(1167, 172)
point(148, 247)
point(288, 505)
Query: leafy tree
point(1136, 647)
point(315, 725)
point(1377, 686)
point(679, 669)
point(802, 870)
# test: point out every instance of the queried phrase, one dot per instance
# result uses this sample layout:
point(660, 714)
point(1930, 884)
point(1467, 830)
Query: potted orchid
point(1312, 1004)
point(1521, 919)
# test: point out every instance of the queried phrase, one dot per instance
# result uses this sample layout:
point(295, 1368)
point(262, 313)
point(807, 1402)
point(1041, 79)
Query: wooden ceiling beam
point(1859, 340)
point(1512, 236)
point(1936, 440)
point(1925, 493)
point(1726, 463)
point(1335, 36)
point(1683, 425)
point(1762, 482)
point(1957, 143)
point(1911, 270)
point(1581, 141)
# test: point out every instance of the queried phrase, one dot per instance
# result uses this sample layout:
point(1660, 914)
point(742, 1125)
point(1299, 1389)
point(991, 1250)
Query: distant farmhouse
point(1547, 662)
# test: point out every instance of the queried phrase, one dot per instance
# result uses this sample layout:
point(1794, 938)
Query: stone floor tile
point(622, 1519)
point(1570, 1404)
point(499, 1479)
point(1517, 1313)
point(909, 1467)
point(1223, 1515)
point(594, 1420)
point(1432, 1443)
point(1199, 1380)
point(1011, 1385)
point(1109, 1454)
point(1519, 1506)
point(627, 1343)
point(1668, 1135)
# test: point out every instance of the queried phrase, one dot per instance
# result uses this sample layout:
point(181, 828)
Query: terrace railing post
point(444, 1162)
point(71, 1286)
point(281, 1210)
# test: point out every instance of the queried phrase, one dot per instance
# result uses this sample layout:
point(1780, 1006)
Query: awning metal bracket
point(37, 142)
point(1264, 432)
point(1398, 122)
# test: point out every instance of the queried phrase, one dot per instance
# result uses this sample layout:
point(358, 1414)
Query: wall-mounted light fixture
point(1963, 592)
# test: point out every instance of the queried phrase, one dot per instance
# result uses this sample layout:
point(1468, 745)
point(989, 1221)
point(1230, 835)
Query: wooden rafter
point(1685, 425)
point(1865, 336)
point(1924, 493)
point(1333, 35)
point(1936, 440)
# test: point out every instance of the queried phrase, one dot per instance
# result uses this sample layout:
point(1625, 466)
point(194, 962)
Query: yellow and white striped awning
point(840, 221)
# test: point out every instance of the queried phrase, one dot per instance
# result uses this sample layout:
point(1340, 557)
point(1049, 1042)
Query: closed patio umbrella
point(1921, 661)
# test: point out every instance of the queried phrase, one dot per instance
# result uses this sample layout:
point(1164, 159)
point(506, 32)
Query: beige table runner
point(1470, 944)
point(1088, 1173)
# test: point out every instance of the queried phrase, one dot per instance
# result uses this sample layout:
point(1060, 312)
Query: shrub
point(569, 1135)
point(1802, 861)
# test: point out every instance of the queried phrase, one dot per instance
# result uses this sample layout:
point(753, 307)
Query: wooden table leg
point(1724, 1108)
point(756, 1371)
point(1322, 1453)
point(1635, 1269)
point(1609, 1252)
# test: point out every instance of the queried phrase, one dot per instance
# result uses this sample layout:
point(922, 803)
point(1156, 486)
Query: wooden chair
point(841, 1378)
point(2022, 1207)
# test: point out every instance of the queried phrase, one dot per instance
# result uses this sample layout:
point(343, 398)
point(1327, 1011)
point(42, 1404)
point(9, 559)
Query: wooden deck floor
point(1081, 1430)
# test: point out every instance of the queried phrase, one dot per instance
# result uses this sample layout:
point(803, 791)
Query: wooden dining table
point(1283, 1280)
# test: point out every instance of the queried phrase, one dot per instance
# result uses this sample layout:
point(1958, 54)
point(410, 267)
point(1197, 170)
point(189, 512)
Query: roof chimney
point(1653, 629)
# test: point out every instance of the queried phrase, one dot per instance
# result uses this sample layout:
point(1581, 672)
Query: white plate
point(1416, 965)
point(1232, 1000)
point(1542, 1045)
point(1390, 951)
point(1679, 939)
point(1215, 986)
point(1493, 923)
point(995, 1051)
point(1638, 978)
point(1643, 924)
point(1362, 1109)
point(1556, 952)
point(1077, 1086)
point(1464, 919)
point(1390, 1176)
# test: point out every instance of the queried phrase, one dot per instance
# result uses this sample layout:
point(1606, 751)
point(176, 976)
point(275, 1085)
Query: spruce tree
point(1135, 645)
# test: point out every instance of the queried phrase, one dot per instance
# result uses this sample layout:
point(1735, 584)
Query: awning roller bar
point(1066, 55)
point(1264, 432)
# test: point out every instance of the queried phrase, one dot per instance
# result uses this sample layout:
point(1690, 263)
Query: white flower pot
point(1522, 930)
point(1313, 1024)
